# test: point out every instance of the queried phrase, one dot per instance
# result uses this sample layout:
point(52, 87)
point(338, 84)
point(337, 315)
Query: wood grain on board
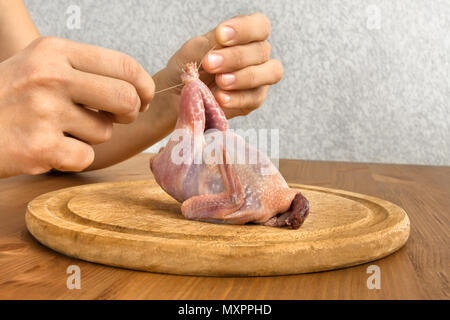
point(418, 270)
point(137, 225)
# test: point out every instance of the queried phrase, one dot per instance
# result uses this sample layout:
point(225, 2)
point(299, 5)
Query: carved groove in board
point(137, 225)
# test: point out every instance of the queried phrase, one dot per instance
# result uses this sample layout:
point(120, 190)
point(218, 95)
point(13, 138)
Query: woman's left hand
point(238, 70)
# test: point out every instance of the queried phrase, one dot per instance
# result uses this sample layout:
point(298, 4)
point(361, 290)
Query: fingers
point(237, 57)
point(241, 63)
point(242, 29)
point(108, 94)
point(88, 125)
point(114, 64)
point(71, 155)
point(243, 101)
point(251, 77)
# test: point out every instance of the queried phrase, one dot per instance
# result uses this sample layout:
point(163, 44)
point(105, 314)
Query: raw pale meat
point(214, 186)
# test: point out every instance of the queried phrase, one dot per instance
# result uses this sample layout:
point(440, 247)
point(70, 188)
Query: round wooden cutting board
point(137, 225)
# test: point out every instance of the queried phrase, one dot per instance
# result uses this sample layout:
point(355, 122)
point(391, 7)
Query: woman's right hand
point(59, 97)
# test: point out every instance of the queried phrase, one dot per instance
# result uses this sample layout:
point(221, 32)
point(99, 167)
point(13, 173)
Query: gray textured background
point(350, 91)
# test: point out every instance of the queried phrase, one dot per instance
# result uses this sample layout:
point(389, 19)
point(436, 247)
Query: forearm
point(150, 127)
point(17, 29)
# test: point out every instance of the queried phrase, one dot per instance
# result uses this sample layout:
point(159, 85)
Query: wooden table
point(419, 270)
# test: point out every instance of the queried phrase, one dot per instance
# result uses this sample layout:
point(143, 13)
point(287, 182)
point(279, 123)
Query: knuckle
point(148, 93)
point(251, 77)
point(46, 44)
point(43, 109)
point(266, 49)
point(242, 101)
point(59, 162)
point(261, 97)
point(35, 170)
point(130, 67)
point(106, 131)
point(128, 99)
point(278, 71)
point(44, 74)
point(40, 146)
point(86, 158)
point(34, 72)
point(37, 150)
point(238, 57)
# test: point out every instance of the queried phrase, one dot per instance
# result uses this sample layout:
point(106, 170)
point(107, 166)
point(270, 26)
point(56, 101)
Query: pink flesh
point(222, 192)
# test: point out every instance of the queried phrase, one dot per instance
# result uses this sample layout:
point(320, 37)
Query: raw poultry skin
point(221, 191)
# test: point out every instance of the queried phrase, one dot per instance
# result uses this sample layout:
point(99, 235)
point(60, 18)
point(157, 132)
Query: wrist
point(12, 39)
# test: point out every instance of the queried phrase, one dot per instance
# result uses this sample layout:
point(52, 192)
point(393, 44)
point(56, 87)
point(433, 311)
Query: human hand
point(59, 97)
point(238, 70)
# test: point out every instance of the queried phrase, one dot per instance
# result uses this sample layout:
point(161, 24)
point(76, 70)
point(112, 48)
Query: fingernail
point(227, 34)
point(215, 60)
point(228, 79)
point(146, 107)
